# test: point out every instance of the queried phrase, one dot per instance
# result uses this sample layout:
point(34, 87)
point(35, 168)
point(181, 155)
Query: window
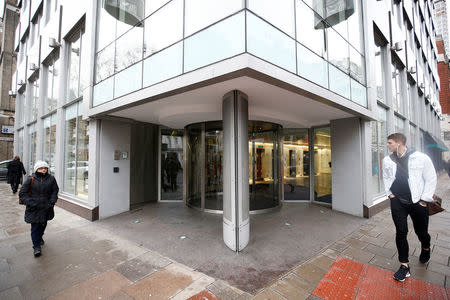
point(50, 141)
point(279, 13)
point(379, 136)
point(309, 36)
point(76, 153)
point(379, 73)
point(74, 86)
point(52, 85)
point(395, 88)
point(399, 124)
point(34, 100)
point(31, 147)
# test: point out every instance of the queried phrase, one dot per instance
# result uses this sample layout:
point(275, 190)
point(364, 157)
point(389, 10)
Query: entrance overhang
point(275, 96)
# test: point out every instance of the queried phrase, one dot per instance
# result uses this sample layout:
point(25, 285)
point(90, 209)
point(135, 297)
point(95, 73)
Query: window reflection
point(340, 83)
point(106, 29)
point(339, 57)
point(34, 100)
point(52, 85)
point(172, 164)
point(358, 93)
point(296, 161)
point(152, 5)
point(32, 138)
point(200, 13)
point(164, 27)
point(129, 48)
point(270, 44)
point(379, 73)
point(103, 91)
point(357, 69)
point(310, 37)
point(312, 67)
point(215, 43)
point(104, 66)
point(194, 163)
point(322, 165)
point(74, 72)
point(163, 65)
point(50, 141)
point(128, 80)
point(279, 13)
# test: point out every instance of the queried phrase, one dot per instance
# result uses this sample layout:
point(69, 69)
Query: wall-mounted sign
point(7, 129)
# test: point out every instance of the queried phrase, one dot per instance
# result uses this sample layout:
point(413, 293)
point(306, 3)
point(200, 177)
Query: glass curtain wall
point(52, 85)
point(294, 35)
point(379, 139)
point(171, 164)
point(322, 164)
point(32, 141)
point(296, 161)
point(50, 141)
point(34, 100)
point(76, 152)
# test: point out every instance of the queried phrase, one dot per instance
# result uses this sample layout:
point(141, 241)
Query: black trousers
point(37, 231)
point(419, 217)
point(14, 186)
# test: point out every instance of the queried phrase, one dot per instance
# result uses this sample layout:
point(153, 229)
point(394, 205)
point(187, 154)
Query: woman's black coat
point(15, 171)
point(44, 194)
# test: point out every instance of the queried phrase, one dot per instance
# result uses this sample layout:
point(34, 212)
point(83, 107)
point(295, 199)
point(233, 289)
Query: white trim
point(75, 200)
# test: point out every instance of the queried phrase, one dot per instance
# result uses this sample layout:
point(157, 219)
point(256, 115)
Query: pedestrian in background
point(39, 193)
point(14, 174)
point(410, 181)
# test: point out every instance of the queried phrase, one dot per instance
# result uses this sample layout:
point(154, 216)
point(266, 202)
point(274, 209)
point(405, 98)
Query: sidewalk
point(361, 265)
point(83, 260)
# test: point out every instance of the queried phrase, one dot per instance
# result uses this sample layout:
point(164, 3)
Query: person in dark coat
point(39, 193)
point(15, 171)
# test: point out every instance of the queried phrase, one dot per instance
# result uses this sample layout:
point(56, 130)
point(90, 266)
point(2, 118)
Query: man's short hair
point(398, 137)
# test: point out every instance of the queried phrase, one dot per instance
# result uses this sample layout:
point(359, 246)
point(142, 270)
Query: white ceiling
point(266, 103)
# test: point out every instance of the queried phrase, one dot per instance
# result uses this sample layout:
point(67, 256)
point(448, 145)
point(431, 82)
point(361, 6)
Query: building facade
point(9, 22)
point(232, 107)
point(441, 20)
point(444, 94)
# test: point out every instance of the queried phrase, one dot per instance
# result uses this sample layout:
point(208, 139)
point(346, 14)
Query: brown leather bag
point(435, 207)
point(29, 190)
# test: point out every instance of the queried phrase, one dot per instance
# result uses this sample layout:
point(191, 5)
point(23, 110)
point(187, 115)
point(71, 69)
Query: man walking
point(409, 180)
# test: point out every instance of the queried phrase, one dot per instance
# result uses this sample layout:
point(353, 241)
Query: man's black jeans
point(419, 217)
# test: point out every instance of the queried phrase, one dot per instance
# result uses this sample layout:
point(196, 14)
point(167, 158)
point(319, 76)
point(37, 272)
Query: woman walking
point(39, 193)
point(15, 171)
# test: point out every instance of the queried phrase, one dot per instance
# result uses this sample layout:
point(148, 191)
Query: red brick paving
point(348, 279)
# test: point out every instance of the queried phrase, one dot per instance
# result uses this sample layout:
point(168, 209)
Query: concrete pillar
point(347, 162)
point(236, 221)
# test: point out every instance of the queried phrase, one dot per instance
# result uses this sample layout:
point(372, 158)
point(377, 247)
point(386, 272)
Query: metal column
point(236, 222)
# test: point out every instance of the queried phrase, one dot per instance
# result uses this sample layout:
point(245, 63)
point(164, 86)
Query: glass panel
point(215, 43)
point(214, 158)
point(310, 37)
point(82, 155)
point(312, 67)
point(339, 56)
point(32, 137)
point(170, 17)
point(194, 165)
point(322, 165)
point(171, 164)
point(106, 28)
point(129, 48)
point(278, 13)
point(103, 91)
point(52, 86)
point(104, 66)
point(296, 160)
point(379, 71)
point(263, 144)
point(270, 44)
point(20, 144)
point(127, 81)
point(355, 28)
point(163, 65)
point(399, 124)
point(70, 149)
point(47, 137)
point(200, 13)
point(358, 93)
point(340, 83)
point(153, 5)
point(34, 100)
point(395, 87)
point(376, 161)
point(357, 66)
point(74, 72)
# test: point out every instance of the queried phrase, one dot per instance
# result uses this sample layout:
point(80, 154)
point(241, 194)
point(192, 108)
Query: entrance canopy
point(267, 102)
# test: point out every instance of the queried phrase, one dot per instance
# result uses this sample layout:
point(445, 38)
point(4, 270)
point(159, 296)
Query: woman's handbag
point(435, 207)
